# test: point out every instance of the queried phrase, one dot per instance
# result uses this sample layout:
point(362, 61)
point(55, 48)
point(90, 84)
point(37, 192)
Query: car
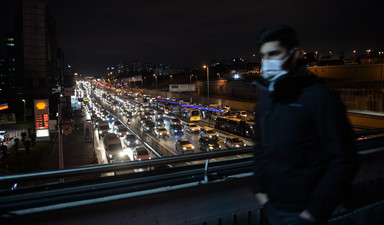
point(184, 146)
point(159, 115)
point(141, 153)
point(233, 142)
point(147, 114)
point(208, 144)
point(175, 129)
point(120, 130)
point(98, 120)
point(128, 114)
point(191, 127)
point(243, 113)
point(103, 128)
point(208, 132)
point(213, 106)
point(161, 132)
point(116, 123)
point(148, 126)
point(159, 122)
point(113, 148)
point(142, 119)
point(110, 118)
point(130, 140)
point(3, 135)
point(175, 121)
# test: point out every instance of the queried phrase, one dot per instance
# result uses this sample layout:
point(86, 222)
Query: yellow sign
point(41, 105)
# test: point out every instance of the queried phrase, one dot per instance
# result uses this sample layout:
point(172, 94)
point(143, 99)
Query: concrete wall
point(369, 72)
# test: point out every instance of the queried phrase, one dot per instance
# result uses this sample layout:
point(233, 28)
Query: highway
point(158, 147)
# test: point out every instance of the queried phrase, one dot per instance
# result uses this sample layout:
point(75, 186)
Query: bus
point(235, 125)
point(163, 107)
point(190, 114)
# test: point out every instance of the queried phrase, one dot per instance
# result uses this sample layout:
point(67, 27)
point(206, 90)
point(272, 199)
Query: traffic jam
point(134, 126)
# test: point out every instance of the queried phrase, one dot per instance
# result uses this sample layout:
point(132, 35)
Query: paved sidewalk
point(76, 152)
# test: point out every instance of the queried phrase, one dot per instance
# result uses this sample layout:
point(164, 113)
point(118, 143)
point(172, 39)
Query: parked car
point(233, 142)
point(161, 132)
point(208, 133)
point(130, 140)
point(141, 153)
point(208, 144)
point(184, 146)
point(175, 129)
point(191, 127)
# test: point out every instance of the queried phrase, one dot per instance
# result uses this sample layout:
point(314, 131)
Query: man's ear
point(297, 55)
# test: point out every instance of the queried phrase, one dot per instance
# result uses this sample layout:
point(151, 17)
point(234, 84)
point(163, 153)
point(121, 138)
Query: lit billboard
point(41, 118)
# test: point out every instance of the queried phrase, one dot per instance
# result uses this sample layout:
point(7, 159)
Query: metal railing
point(213, 191)
point(23, 191)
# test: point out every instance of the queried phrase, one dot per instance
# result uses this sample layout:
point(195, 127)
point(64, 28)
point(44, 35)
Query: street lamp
point(154, 75)
point(171, 77)
point(207, 67)
point(190, 78)
point(25, 111)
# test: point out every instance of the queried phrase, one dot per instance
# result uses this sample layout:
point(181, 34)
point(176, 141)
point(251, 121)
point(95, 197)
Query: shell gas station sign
point(41, 118)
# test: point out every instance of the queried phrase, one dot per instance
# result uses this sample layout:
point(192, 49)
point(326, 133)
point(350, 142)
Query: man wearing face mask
point(304, 155)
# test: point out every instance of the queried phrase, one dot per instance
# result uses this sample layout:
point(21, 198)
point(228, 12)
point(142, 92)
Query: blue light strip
point(189, 106)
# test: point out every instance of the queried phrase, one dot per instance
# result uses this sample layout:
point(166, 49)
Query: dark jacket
point(305, 155)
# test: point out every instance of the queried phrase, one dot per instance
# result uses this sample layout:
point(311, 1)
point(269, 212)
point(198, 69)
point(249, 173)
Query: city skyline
point(97, 34)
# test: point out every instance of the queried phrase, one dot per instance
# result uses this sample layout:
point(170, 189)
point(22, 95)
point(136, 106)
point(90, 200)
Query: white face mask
point(272, 68)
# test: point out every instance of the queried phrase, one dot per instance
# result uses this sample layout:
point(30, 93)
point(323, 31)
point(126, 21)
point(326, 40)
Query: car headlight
point(193, 147)
point(245, 144)
point(210, 136)
point(100, 132)
point(137, 141)
point(184, 148)
point(110, 156)
point(211, 147)
point(237, 146)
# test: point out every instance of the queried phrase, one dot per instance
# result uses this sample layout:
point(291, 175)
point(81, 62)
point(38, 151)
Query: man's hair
point(287, 37)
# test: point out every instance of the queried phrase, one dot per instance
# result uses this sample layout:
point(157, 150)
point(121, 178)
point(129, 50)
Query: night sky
point(95, 34)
